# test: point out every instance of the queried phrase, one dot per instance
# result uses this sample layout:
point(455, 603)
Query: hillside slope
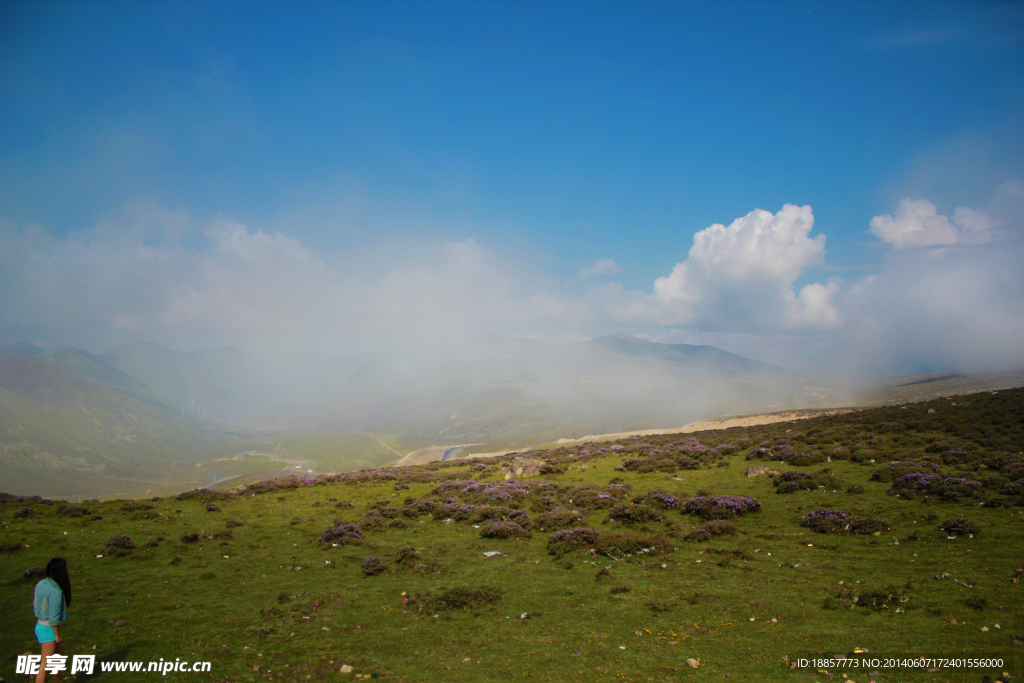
point(62, 435)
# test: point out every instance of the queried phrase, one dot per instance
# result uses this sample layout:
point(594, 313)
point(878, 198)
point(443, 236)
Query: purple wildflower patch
point(342, 533)
point(567, 540)
point(720, 507)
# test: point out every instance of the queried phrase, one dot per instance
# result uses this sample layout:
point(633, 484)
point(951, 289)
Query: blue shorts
point(45, 634)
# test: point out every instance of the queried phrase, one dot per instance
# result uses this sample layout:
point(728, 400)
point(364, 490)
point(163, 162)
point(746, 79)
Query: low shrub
point(135, 506)
point(634, 514)
point(899, 468)
point(662, 500)
point(559, 519)
point(342, 533)
point(960, 527)
point(24, 512)
point(632, 544)
point(567, 540)
point(73, 511)
point(414, 507)
point(459, 597)
point(190, 538)
point(829, 521)
point(124, 542)
point(407, 555)
point(715, 527)
point(946, 488)
point(720, 507)
point(11, 546)
point(503, 530)
point(372, 566)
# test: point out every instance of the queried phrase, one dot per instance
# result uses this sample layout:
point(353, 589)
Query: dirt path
point(381, 442)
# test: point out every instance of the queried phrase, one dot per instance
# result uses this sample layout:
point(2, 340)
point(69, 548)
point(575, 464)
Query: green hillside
point(61, 435)
point(89, 367)
point(669, 552)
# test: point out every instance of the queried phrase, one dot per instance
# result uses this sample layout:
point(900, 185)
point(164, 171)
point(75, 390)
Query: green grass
point(248, 610)
point(344, 452)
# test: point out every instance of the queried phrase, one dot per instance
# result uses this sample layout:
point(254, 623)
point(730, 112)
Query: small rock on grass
point(693, 663)
point(345, 669)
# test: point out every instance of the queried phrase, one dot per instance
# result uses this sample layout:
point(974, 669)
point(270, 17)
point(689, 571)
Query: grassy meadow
point(278, 582)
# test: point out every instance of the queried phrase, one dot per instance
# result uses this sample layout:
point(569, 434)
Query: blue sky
point(383, 138)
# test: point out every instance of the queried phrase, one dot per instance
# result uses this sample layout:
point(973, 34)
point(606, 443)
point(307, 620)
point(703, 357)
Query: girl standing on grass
point(53, 595)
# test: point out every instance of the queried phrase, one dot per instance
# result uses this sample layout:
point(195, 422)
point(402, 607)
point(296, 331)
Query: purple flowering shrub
point(22, 513)
point(372, 566)
point(135, 506)
point(120, 545)
point(629, 513)
point(960, 527)
point(415, 507)
point(384, 509)
point(342, 533)
point(662, 500)
point(720, 507)
point(947, 488)
point(898, 468)
point(1014, 488)
point(567, 540)
point(491, 493)
point(190, 537)
point(785, 453)
point(503, 530)
point(407, 556)
point(373, 521)
point(826, 521)
point(829, 521)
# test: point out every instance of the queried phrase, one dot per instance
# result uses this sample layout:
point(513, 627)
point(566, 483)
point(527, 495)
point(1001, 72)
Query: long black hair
point(57, 569)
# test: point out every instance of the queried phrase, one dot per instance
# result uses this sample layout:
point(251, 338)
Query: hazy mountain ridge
point(92, 368)
point(696, 357)
point(60, 433)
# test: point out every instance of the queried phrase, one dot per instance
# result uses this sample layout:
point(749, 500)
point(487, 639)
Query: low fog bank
point(489, 388)
point(393, 338)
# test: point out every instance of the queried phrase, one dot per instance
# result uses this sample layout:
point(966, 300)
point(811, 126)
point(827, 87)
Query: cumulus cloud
point(949, 292)
point(742, 276)
point(603, 267)
point(917, 223)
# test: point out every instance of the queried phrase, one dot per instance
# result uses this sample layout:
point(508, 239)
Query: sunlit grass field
point(262, 599)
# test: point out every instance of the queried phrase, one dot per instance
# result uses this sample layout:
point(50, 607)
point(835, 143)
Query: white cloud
point(741, 277)
point(603, 267)
point(130, 278)
point(917, 223)
point(949, 292)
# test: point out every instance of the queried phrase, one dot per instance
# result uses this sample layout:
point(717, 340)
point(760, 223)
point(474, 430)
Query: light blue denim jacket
point(49, 603)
